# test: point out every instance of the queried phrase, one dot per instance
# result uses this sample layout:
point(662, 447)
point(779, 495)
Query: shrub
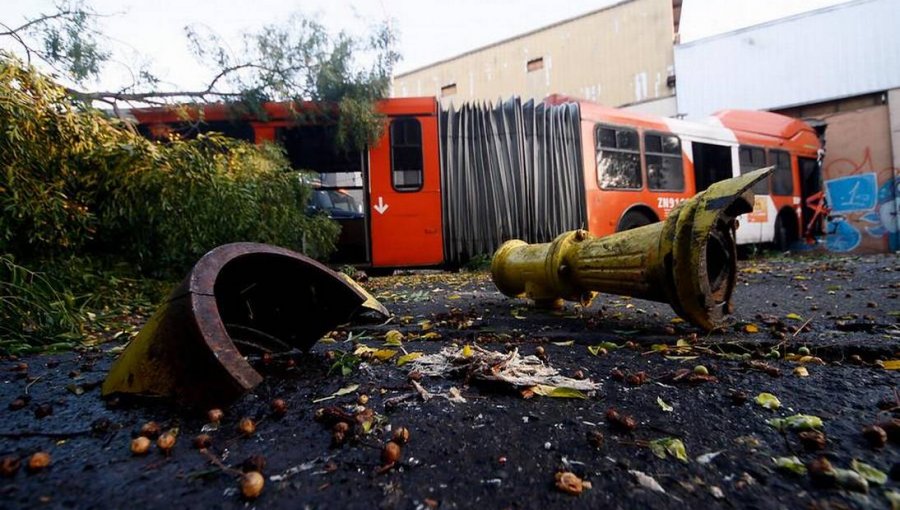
point(76, 181)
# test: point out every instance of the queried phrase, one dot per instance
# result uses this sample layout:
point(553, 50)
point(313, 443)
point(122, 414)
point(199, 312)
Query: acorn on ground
point(246, 427)
point(140, 445)
point(391, 453)
point(252, 484)
point(38, 462)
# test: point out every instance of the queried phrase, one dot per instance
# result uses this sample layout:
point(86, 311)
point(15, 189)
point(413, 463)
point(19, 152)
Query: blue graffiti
point(841, 236)
point(852, 193)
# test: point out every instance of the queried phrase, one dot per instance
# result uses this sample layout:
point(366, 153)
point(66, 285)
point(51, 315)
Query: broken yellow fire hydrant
point(687, 261)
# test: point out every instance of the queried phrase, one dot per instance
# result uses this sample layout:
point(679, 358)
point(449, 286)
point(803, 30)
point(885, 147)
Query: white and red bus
point(441, 186)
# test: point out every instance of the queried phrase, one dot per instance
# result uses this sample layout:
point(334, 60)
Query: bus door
point(810, 184)
point(405, 194)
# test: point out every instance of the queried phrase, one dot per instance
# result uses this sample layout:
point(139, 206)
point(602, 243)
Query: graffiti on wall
point(859, 206)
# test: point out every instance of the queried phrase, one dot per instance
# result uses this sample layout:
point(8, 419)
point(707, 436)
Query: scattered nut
point(140, 445)
point(215, 416)
point(401, 435)
point(391, 453)
point(803, 351)
point(202, 441)
point(279, 407)
point(620, 420)
point(246, 427)
point(415, 375)
point(362, 399)
point(892, 428)
point(17, 404)
point(569, 483)
point(875, 435)
point(596, 439)
point(855, 359)
point(252, 484)
point(9, 466)
point(341, 427)
point(254, 463)
point(578, 374)
point(701, 370)
point(166, 442)
point(539, 351)
point(150, 430)
point(812, 440)
point(338, 438)
point(738, 397)
point(43, 411)
point(821, 472)
point(38, 462)
point(801, 372)
point(617, 374)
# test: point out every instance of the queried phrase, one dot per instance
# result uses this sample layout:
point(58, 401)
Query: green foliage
point(34, 310)
point(74, 180)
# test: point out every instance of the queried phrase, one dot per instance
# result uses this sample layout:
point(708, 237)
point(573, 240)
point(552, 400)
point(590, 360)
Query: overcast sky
point(430, 30)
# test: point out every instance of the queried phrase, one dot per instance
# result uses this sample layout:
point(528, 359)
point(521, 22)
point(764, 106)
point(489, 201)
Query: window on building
point(618, 158)
point(754, 158)
point(664, 165)
point(406, 154)
point(448, 90)
point(782, 178)
point(535, 64)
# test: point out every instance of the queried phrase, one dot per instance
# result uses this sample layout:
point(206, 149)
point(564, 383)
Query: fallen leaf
point(751, 328)
point(670, 445)
point(406, 358)
point(797, 422)
point(801, 372)
point(565, 343)
point(792, 464)
point(794, 317)
point(426, 325)
point(557, 391)
point(894, 498)
point(706, 458)
point(647, 481)
point(384, 354)
point(870, 473)
point(467, 351)
point(393, 338)
point(431, 335)
point(663, 405)
point(343, 391)
point(677, 320)
point(768, 401)
point(851, 480)
point(892, 364)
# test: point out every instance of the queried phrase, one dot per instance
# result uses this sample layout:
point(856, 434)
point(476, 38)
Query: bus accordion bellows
point(443, 185)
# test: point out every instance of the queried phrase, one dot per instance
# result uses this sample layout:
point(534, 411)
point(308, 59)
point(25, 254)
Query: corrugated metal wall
point(841, 51)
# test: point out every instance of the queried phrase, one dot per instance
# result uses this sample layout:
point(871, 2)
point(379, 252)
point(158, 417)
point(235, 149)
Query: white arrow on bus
point(381, 206)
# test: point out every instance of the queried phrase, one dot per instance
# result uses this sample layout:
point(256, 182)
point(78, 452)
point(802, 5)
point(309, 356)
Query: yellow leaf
point(557, 391)
point(402, 360)
point(343, 391)
point(677, 320)
point(393, 338)
point(454, 296)
point(467, 351)
point(682, 343)
point(431, 335)
point(363, 349)
point(663, 405)
point(384, 354)
point(801, 372)
point(751, 328)
point(768, 401)
point(426, 325)
point(794, 316)
point(892, 364)
point(565, 343)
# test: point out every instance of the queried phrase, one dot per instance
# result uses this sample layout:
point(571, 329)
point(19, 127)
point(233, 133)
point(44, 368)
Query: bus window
point(664, 166)
point(618, 158)
point(712, 163)
point(406, 154)
point(754, 158)
point(782, 178)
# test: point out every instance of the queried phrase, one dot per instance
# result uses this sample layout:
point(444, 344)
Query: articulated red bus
point(441, 186)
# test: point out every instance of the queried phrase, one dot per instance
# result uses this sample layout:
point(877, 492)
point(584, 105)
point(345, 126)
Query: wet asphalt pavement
point(486, 445)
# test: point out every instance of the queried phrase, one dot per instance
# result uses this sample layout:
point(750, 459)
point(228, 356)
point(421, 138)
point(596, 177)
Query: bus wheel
point(785, 232)
point(634, 219)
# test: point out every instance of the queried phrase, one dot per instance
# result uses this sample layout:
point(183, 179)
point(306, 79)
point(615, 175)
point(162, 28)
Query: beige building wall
point(620, 55)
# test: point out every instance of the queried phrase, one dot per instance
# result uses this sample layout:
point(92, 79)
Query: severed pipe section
point(688, 261)
point(239, 300)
